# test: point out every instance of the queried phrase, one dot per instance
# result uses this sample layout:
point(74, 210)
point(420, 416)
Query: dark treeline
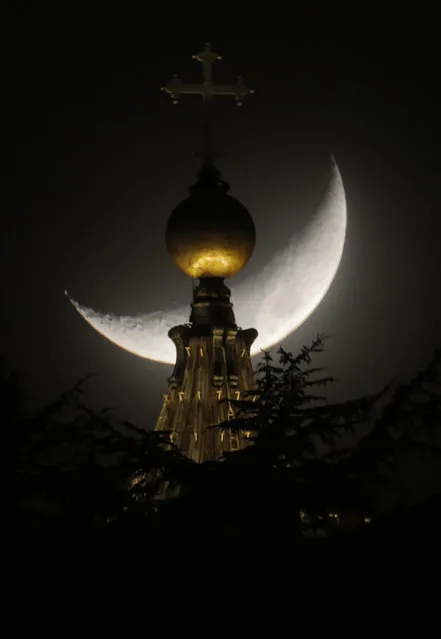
point(312, 469)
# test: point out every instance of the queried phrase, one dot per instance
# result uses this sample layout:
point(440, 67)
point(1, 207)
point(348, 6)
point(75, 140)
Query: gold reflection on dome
point(213, 238)
point(198, 261)
point(213, 262)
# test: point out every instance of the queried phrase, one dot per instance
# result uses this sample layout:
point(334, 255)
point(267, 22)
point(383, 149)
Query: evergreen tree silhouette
point(307, 460)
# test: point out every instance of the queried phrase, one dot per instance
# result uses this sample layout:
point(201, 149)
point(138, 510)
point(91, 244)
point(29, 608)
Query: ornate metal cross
point(207, 89)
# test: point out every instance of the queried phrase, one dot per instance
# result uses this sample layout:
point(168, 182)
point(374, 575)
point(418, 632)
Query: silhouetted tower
point(210, 236)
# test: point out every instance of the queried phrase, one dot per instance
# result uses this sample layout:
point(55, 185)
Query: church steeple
point(210, 236)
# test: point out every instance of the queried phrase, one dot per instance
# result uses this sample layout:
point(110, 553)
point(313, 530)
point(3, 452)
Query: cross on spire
point(207, 89)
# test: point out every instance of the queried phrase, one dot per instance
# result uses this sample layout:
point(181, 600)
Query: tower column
point(212, 371)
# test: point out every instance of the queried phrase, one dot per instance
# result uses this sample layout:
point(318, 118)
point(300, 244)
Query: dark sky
point(102, 157)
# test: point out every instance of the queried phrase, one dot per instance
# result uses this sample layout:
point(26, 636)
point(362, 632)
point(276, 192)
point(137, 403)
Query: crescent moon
point(275, 302)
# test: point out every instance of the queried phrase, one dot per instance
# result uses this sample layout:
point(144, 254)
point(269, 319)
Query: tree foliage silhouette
point(70, 466)
point(309, 456)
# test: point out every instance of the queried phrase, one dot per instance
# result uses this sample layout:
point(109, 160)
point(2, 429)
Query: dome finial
point(209, 180)
point(210, 234)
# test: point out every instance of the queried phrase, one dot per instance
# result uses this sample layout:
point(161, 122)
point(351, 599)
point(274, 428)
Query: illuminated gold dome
point(210, 234)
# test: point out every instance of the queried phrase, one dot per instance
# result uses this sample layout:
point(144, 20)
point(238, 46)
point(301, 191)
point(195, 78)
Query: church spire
point(210, 236)
point(208, 90)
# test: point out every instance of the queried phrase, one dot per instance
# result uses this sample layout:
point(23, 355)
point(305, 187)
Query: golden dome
point(210, 234)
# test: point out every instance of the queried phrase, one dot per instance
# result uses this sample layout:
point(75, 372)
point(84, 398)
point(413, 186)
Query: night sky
point(102, 157)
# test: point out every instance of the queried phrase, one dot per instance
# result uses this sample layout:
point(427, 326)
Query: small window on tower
point(181, 396)
point(234, 442)
point(201, 350)
point(187, 348)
